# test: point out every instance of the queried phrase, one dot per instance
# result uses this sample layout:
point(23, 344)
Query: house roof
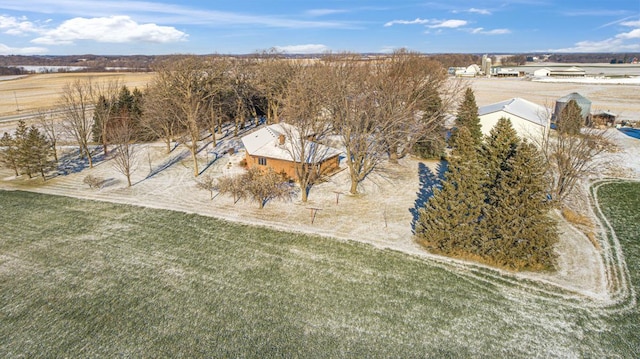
point(265, 142)
point(519, 107)
point(605, 113)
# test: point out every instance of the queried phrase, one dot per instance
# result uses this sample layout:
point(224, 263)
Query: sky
point(156, 27)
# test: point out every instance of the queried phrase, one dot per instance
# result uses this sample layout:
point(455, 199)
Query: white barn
point(528, 119)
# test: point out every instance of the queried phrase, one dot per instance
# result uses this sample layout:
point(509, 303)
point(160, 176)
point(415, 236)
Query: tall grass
point(85, 279)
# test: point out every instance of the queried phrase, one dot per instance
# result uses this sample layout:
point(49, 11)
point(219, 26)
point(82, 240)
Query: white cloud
point(608, 45)
point(480, 30)
point(114, 29)
point(479, 11)
point(626, 41)
point(14, 26)
point(406, 22)
point(635, 23)
point(157, 12)
point(450, 24)
point(323, 12)
point(633, 34)
point(6, 50)
point(303, 49)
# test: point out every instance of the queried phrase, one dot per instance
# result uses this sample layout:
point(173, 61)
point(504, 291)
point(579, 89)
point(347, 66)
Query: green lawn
point(86, 279)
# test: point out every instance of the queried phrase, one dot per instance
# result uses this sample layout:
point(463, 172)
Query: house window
point(262, 161)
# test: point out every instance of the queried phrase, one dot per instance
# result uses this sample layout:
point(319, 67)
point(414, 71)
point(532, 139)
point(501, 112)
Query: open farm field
point(43, 90)
point(84, 279)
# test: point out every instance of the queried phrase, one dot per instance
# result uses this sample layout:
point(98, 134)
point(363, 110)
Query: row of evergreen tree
point(492, 204)
point(110, 112)
point(27, 151)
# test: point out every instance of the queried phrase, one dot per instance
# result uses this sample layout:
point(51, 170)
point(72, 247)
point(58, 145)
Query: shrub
point(93, 181)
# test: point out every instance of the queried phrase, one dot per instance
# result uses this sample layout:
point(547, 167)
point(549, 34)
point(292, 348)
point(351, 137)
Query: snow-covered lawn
point(382, 215)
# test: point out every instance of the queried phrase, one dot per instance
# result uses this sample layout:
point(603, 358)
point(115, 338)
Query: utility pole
point(16, 97)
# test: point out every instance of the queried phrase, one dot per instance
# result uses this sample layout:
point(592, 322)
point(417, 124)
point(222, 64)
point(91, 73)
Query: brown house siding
point(328, 166)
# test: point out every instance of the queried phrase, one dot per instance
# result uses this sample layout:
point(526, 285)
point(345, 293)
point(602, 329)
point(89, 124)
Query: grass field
point(85, 279)
point(29, 93)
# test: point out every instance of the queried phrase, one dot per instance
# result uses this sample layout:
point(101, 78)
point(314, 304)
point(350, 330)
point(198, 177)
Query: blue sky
point(114, 27)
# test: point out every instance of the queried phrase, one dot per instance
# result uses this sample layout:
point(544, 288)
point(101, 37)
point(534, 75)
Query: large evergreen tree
point(493, 203)
point(40, 153)
point(468, 117)
point(499, 146)
point(450, 221)
point(570, 120)
point(521, 234)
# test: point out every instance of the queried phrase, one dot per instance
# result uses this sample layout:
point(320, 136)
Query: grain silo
point(583, 102)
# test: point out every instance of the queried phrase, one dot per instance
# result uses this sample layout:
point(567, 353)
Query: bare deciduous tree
point(350, 103)
point(76, 104)
point(93, 181)
point(569, 151)
point(125, 155)
point(306, 126)
point(181, 85)
point(207, 183)
point(274, 74)
point(263, 186)
point(48, 123)
point(233, 185)
point(257, 185)
point(158, 118)
point(106, 94)
point(405, 89)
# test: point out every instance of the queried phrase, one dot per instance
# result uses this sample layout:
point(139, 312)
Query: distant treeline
point(138, 63)
point(10, 71)
point(609, 58)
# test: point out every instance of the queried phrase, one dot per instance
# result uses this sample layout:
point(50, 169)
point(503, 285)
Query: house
point(277, 146)
point(528, 119)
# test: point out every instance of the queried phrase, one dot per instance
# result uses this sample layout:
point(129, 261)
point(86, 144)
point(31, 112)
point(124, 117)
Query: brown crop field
point(26, 94)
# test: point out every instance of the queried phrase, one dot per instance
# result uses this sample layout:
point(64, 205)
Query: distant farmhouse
point(528, 119)
point(276, 146)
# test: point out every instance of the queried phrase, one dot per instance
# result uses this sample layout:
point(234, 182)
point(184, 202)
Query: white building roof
point(519, 107)
point(265, 142)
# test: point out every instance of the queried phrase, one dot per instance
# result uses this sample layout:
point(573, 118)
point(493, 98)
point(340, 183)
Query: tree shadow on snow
point(428, 182)
point(167, 163)
point(71, 162)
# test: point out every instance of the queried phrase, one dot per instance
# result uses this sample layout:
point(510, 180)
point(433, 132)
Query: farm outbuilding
point(543, 72)
point(583, 102)
point(528, 119)
point(277, 147)
point(603, 118)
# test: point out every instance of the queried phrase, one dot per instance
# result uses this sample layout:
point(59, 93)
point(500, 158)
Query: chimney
point(281, 139)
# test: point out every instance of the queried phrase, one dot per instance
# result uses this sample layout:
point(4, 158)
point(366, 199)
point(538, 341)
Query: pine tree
point(39, 152)
point(468, 117)
point(499, 146)
point(450, 221)
point(570, 120)
point(100, 115)
point(9, 153)
point(521, 234)
point(22, 148)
